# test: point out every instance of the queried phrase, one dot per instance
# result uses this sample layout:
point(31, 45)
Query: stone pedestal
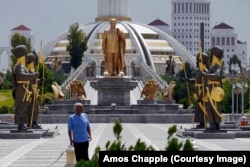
point(113, 90)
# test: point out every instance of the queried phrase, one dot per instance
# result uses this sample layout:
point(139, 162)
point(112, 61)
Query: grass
point(6, 98)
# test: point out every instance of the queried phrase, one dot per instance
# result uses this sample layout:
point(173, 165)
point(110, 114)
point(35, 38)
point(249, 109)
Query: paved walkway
point(44, 152)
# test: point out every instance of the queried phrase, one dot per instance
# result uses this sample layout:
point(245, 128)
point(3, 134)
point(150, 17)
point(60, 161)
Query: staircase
point(152, 74)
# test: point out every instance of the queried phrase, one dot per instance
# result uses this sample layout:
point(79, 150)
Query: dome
point(146, 46)
point(144, 43)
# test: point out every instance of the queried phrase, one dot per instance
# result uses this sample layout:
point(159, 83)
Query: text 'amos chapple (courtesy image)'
point(163, 158)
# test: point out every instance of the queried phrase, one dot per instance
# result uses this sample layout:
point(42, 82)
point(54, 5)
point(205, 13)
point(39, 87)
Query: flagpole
point(189, 100)
point(41, 60)
point(203, 87)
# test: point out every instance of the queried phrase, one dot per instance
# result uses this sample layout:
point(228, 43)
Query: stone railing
point(151, 74)
point(79, 74)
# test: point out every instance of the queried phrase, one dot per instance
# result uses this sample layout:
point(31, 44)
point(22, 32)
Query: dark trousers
point(81, 151)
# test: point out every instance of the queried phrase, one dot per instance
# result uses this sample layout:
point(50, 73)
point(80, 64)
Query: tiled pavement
point(47, 152)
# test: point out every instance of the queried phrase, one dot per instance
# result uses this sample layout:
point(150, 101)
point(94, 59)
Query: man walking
point(79, 132)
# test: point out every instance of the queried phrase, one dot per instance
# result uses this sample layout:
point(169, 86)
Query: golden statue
point(214, 91)
point(149, 90)
point(58, 94)
point(77, 90)
point(169, 91)
point(113, 48)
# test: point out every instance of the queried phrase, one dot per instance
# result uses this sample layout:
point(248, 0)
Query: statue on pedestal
point(113, 48)
point(58, 94)
point(213, 85)
point(168, 92)
point(149, 90)
point(77, 90)
point(21, 82)
point(33, 110)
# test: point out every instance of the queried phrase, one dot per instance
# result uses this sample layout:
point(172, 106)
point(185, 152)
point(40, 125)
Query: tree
point(77, 45)
point(18, 39)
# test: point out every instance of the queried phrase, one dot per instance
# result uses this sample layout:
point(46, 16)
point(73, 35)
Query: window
point(217, 40)
point(228, 40)
point(213, 40)
point(233, 41)
point(223, 41)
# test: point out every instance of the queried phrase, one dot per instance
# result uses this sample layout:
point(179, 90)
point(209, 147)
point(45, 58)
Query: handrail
point(152, 74)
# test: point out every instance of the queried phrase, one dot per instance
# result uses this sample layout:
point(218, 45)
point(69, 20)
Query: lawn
point(6, 98)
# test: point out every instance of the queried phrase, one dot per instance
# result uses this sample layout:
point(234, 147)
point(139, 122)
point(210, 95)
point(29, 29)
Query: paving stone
point(51, 151)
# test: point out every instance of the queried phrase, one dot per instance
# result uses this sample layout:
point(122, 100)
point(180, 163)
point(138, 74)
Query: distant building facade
point(191, 24)
point(24, 31)
point(5, 52)
point(224, 36)
point(161, 25)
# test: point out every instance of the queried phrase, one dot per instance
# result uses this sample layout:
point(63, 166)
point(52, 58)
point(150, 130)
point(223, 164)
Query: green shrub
point(6, 110)
point(46, 98)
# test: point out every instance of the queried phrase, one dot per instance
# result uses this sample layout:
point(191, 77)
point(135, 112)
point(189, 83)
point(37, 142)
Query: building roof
point(240, 42)
point(223, 26)
point(21, 27)
point(158, 22)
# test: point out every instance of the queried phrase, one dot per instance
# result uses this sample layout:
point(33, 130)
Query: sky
point(49, 18)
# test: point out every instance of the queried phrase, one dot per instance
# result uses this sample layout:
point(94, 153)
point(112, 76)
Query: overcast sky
point(48, 18)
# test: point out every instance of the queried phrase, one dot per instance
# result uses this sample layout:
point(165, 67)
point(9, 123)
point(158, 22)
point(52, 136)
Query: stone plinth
point(9, 131)
point(113, 90)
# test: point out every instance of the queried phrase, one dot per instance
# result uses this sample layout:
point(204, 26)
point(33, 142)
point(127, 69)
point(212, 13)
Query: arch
point(5, 53)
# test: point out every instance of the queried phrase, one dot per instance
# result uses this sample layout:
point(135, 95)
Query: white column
point(113, 8)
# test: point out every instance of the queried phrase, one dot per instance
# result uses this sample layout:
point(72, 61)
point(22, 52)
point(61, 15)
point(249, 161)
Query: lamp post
point(233, 87)
point(248, 76)
point(242, 85)
point(237, 92)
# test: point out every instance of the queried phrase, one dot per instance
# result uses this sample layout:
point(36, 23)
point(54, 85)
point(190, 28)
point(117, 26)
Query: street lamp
point(243, 86)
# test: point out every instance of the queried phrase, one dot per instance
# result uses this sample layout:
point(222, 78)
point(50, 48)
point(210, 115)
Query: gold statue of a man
point(113, 48)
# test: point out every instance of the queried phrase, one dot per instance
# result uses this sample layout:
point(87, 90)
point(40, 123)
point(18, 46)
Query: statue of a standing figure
point(33, 110)
point(21, 92)
point(170, 66)
point(113, 48)
point(213, 85)
point(200, 112)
